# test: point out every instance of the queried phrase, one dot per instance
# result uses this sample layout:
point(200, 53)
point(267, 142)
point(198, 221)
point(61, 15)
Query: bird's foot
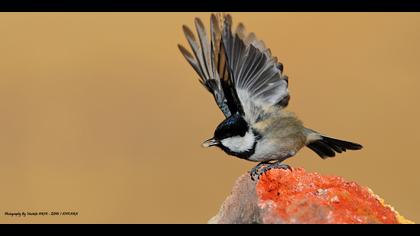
point(255, 171)
point(276, 165)
point(263, 167)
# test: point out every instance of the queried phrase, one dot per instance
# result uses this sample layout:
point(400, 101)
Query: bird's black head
point(235, 137)
point(233, 126)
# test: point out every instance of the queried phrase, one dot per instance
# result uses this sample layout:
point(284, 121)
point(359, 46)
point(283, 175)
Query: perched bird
point(250, 88)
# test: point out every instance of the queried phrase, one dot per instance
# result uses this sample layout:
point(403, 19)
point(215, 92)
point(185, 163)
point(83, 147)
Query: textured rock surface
point(284, 196)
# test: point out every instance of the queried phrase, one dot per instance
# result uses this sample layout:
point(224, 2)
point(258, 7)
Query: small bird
point(250, 88)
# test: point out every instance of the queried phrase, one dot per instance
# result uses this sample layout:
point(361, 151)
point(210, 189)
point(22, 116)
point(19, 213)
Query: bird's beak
point(210, 142)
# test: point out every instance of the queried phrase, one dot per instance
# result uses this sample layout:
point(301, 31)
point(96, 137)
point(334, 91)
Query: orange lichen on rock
point(299, 197)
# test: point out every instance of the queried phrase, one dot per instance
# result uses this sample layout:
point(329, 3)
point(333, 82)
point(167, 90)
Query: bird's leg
point(255, 170)
point(275, 165)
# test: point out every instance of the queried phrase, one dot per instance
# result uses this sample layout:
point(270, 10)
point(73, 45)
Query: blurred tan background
point(100, 114)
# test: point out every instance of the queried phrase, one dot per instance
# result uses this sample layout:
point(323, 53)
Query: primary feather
point(257, 76)
point(204, 63)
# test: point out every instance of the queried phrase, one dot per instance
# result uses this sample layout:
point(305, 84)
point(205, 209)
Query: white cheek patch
point(238, 143)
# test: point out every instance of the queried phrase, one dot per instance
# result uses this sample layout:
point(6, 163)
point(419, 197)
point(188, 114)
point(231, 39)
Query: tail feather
point(327, 147)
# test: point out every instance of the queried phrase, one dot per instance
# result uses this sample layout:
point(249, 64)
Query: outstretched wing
point(209, 61)
point(237, 68)
point(256, 75)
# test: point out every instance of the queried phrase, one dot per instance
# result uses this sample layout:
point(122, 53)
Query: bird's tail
point(327, 147)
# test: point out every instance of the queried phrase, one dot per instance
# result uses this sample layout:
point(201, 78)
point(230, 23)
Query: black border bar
point(216, 5)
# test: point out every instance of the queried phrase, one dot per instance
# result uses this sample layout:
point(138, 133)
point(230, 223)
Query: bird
point(250, 88)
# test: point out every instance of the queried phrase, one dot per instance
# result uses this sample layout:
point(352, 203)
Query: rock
point(241, 206)
point(285, 196)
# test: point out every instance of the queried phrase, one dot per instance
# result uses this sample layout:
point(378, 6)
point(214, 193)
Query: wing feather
point(205, 47)
point(196, 50)
point(257, 75)
point(204, 59)
point(190, 58)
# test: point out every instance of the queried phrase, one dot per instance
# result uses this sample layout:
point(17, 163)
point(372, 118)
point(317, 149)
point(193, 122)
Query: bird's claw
point(254, 172)
point(263, 167)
